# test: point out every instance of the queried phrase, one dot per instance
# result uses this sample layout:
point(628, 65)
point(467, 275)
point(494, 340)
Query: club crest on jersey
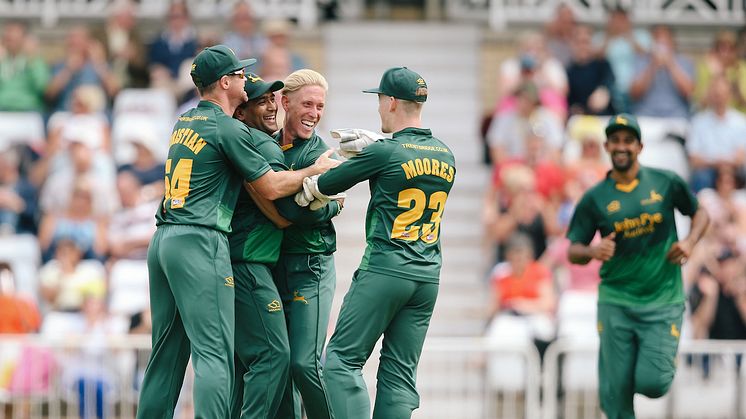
point(299, 298)
point(274, 306)
point(229, 282)
point(613, 206)
point(654, 197)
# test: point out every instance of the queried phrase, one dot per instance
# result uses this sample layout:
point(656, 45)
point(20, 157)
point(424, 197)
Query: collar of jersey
point(412, 130)
point(626, 187)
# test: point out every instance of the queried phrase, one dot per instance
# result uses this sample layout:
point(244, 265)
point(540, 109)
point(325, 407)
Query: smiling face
point(260, 113)
point(303, 110)
point(623, 146)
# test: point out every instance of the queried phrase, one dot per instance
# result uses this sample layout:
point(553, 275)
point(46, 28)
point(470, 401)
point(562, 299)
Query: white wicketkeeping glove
point(354, 140)
point(311, 196)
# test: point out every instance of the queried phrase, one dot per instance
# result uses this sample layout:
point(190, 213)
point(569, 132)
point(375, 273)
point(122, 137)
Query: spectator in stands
point(722, 61)
point(717, 137)
point(243, 38)
point(718, 300)
point(665, 79)
point(18, 208)
point(65, 280)
point(56, 193)
point(508, 133)
point(533, 64)
point(177, 43)
point(558, 34)
point(84, 63)
point(23, 74)
point(621, 44)
point(76, 222)
point(146, 167)
point(518, 207)
point(132, 227)
point(125, 50)
point(726, 205)
point(86, 116)
point(17, 314)
point(523, 288)
point(590, 78)
point(278, 59)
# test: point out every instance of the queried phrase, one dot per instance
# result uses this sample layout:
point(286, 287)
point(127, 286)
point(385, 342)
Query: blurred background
point(519, 89)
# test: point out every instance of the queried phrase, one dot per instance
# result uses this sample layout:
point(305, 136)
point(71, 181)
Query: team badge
point(274, 306)
point(613, 206)
point(229, 282)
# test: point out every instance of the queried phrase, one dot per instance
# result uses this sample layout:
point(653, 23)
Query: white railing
point(457, 378)
point(51, 11)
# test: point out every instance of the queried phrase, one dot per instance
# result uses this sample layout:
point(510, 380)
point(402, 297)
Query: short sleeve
point(683, 197)
point(245, 158)
point(582, 225)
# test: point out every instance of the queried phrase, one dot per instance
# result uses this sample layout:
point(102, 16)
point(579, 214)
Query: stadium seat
point(21, 127)
point(646, 408)
point(23, 254)
point(128, 287)
point(507, 370)
point(663, 144)
point(576, 315)
point(148, 111)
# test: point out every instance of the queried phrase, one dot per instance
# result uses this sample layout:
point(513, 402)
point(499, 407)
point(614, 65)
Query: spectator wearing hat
point(665, 79)
point(23, 74)
point(722, 61)
point(147, 166)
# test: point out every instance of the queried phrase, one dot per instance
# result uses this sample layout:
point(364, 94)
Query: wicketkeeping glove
point(311, 196)
point(354, 140)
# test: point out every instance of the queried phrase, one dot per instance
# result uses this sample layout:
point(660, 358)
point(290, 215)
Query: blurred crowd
point(544, 141)
point(87, 182)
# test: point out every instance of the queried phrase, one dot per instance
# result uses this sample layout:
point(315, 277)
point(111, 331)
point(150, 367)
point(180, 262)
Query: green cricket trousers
point(376, 305)
point(262, 348)
point(637, 354)
point(306, 284)
point(191, 302)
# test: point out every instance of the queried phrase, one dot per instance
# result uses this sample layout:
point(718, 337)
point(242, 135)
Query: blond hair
point(305, 77)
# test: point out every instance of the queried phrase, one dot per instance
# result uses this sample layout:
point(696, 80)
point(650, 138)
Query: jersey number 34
point(177, 187)
point(409, 226)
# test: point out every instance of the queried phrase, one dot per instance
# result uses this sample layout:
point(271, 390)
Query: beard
point(624, 165)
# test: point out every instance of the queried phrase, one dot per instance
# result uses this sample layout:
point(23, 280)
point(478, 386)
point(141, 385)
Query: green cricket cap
point(402, 83)
point(255, 86)
point(215, 62)
point(623, 121)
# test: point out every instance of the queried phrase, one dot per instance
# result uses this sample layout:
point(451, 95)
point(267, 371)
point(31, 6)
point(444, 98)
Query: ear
point(393, 103)
point(285, 102)
point(239, 113)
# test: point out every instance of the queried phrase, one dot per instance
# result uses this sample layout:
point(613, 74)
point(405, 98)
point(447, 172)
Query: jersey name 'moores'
point(428, 166)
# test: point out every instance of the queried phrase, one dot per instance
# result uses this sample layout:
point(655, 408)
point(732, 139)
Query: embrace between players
point(241, 266)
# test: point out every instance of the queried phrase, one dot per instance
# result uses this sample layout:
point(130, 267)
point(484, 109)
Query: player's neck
point(627, 176)
point(221, 102)
point(402, 123)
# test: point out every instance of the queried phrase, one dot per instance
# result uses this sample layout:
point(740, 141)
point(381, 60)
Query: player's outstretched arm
point(273, 185)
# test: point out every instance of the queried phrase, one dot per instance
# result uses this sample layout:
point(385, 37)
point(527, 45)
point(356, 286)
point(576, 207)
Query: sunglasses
point(239, 73)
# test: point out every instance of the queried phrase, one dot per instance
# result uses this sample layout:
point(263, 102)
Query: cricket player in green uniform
point(395, 287)
point(641, 297)
point(191, 281)
point(262, 347)
point(305, 274)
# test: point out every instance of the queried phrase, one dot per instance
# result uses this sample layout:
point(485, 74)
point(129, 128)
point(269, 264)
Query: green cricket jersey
point(208, 158)
point(410, 176)
point(642, 215)
point(254, 238)
point(312, 233)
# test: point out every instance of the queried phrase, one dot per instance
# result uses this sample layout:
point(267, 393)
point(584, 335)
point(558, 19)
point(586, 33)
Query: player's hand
point(354, 140)
point(310, 195)
point(605, 249)
point(679, 252)
point(324, 162)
